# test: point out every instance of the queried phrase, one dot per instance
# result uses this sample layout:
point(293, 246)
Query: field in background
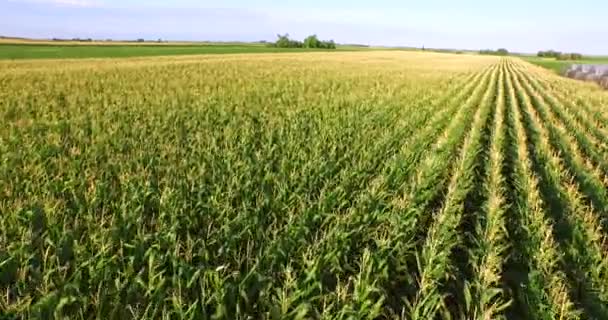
point(67, 51)
point(559, 66)
point(10, 40)
point(17, 49)
point(351, 185)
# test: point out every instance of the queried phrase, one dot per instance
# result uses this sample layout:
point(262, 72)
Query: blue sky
point(519, 25)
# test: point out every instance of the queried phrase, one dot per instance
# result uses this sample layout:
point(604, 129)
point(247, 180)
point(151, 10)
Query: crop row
point(293, 187)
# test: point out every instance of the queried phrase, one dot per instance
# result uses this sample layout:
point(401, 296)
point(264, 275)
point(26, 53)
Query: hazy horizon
point(518, 26)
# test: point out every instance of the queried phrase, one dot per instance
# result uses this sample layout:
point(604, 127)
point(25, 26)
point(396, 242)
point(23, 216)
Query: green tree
point(312, 42)
point(329, 44)
point(282, 41)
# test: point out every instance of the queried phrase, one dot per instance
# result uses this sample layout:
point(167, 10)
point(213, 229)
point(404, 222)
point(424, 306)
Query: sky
point(518, 25)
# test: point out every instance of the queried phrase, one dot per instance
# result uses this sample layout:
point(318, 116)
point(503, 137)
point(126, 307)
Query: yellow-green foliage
point(360, 185)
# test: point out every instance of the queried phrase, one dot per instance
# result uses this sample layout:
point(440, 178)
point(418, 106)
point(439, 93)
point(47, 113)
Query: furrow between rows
point(539, 288)
point(575, 223)
point(434, 259)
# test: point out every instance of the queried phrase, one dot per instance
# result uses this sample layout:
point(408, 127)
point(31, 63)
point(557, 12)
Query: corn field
point(363, 185)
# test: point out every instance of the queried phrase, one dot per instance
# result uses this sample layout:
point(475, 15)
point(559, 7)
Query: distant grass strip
point(49, 51)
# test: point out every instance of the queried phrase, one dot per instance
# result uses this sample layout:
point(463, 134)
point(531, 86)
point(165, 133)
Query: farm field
point(58, 51)
point(559, 66)
point(70, 50)
point(351, 185)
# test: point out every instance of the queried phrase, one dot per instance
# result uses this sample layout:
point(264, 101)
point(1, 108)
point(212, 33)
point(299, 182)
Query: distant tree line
point(439, 50)
point(499, 52)
point(312, 42)
point(107, 40)
point(74, 39)
point(560, 55)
